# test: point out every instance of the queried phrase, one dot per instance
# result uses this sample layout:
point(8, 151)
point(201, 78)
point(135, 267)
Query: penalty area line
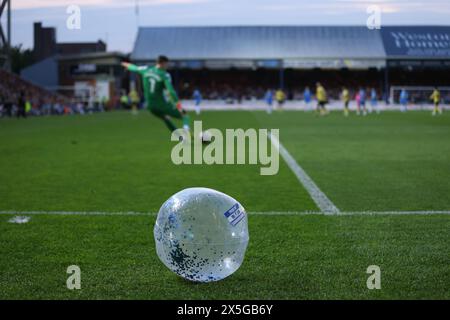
point(321, 200)
point(263, 213)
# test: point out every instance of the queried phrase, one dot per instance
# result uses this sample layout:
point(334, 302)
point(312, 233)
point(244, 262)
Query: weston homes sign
point(417, 42)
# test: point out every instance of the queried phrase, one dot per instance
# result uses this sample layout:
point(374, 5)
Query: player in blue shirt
point(198, 100)
point(269, 100)
point(374, 100)
point(307, 96)
point(362, 100)
point(404, 97)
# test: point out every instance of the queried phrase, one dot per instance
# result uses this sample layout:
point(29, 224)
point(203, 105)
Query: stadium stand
point(237, 64)
point(12, 87)
point(242, 62)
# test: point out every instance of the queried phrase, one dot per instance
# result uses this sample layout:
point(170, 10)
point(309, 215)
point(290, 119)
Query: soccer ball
point(205, 137)
point(201, 234)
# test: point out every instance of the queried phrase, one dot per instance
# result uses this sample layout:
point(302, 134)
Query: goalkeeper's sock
point(186, 122)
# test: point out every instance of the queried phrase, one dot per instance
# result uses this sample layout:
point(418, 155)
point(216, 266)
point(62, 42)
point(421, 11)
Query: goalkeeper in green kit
point(160, 96)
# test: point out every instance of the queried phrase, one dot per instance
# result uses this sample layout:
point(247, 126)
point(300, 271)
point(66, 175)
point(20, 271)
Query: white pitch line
point(323, 203)
point(264, 213)
point(79, 213)
point(397, 213)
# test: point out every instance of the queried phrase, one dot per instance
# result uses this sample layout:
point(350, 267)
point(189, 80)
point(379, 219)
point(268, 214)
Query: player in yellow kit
point(135, 99)
point(436, 98)
point(321, 96)
point(280, 96)
point(346, 99)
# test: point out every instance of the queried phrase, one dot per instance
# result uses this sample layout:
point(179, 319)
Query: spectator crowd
point(21, 98)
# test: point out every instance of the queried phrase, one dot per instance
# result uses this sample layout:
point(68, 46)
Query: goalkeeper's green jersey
point(157, 85)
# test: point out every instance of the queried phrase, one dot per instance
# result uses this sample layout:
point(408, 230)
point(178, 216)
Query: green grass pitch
point(117, 162)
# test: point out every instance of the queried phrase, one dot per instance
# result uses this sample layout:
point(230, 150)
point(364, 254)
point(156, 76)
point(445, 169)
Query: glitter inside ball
point(201, 234)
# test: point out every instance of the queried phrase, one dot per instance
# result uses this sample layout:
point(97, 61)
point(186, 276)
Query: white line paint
point(19, 219)
point(323, 203)
point(265, 213)
point(79, 213)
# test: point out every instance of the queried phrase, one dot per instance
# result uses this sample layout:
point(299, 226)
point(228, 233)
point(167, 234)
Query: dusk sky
point(116, 21)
